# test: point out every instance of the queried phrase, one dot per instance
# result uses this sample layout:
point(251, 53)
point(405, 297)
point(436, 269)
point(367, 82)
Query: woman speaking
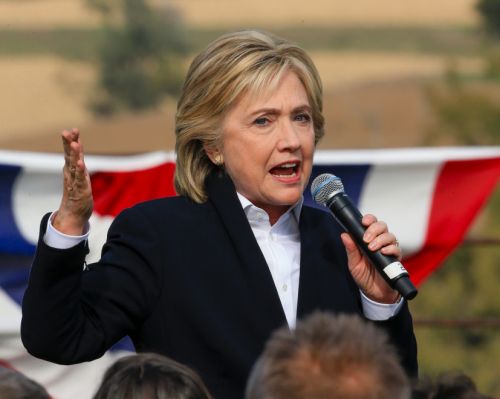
point(206, 276)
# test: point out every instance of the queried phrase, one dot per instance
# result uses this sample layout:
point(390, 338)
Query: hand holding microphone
point(328, 190)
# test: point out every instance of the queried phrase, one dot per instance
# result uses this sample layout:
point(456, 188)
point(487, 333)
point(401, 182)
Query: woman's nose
point(288, 137)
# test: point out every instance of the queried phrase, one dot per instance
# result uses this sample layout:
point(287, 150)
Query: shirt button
point(285, 287)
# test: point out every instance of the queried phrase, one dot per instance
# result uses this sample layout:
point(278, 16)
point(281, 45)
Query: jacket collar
point(222, 194)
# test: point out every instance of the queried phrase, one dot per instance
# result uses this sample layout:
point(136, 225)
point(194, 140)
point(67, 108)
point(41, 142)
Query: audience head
point(449, 385)
point(328, 357)
point(15, 385)
point(150, 376)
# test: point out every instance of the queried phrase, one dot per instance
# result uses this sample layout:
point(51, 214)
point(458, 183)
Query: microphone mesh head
point(324, 186)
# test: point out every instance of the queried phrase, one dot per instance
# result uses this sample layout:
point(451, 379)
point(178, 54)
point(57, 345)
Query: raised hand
point(364, 273)
point(77, 202)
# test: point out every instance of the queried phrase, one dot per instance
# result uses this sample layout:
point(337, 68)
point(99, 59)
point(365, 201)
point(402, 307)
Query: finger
point(382, 240)
point(79, 172)
point(392, 248)
point(387, 243)
point(374, 230)
point(82, 179)
point(353, 253)
point(74, 157)
point(66, 140)
point(81, 157)
point(81, 167)
point(368, 219)
point(79, 177)
point(70, 135)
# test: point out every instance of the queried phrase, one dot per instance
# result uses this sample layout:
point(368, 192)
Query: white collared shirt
point(280, 245)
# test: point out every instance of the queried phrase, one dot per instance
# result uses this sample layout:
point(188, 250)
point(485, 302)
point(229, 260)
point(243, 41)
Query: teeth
point(288, 165)
point(290, 175)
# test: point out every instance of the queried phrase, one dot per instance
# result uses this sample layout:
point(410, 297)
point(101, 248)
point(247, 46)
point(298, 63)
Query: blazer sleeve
point(400, 331)
point(72, 314)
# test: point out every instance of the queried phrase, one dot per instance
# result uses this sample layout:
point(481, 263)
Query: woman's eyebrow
point(266, 111)
point(305, 107)
point(277, 111)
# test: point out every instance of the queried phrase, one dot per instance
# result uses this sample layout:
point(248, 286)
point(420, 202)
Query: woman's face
point(268, 145)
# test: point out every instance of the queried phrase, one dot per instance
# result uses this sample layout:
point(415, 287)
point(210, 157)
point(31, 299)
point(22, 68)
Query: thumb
point(353, 253)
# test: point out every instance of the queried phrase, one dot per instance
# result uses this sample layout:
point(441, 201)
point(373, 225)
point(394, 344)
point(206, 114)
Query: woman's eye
point(261, 121)
point(303, 117)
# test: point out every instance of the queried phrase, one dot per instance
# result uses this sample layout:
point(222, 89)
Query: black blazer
point(188, 281)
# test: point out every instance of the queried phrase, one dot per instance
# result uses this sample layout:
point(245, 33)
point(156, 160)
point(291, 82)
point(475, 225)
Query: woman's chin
point(288, 199)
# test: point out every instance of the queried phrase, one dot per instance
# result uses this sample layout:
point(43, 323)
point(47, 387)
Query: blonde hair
point(235, 63)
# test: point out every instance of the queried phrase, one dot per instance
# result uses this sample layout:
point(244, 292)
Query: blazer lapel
point(325, 282)
point(309, 260)
point(222, 194)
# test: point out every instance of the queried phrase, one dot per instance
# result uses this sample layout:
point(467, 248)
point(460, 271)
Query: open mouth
point(286, 169)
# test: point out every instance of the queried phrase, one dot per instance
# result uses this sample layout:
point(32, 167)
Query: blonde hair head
point(241, 62)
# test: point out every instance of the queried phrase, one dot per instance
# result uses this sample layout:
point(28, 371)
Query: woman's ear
point(214, 154)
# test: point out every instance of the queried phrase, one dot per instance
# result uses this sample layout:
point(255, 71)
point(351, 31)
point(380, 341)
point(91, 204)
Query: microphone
point(328, 190)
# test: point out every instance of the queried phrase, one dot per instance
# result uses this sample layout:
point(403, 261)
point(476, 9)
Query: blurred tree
point(140, 60)
point(490, 13)
point(466, 114)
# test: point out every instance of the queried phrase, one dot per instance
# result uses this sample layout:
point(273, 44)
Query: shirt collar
point(294, 209)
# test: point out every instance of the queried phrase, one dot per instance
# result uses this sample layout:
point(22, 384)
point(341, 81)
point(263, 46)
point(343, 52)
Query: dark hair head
point(448, 385)
point(150, 376)
point(15, 385)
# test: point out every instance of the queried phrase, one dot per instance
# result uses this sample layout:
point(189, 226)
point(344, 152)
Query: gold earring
point(218, 159)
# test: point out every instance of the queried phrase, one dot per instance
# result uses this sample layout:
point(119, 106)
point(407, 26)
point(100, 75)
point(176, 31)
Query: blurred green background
point(396, 74)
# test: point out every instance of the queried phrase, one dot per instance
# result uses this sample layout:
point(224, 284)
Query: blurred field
point(365, 51)
point(34, 14)
point(326, 12)
point(341, 69)
point(47, 94)
point(40, 92)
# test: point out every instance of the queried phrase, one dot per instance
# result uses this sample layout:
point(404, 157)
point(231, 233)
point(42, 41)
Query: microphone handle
point(348, 215)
